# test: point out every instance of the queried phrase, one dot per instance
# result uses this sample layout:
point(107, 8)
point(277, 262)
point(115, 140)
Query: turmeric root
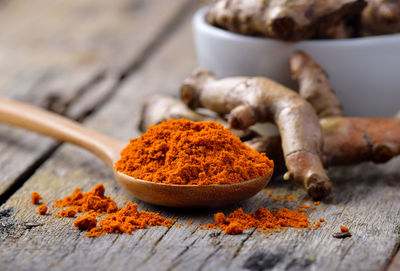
point(159, 108)
point(371, 139)
point(250, 100)
point(339, 31)
point(282, 19)
point(314, 85)
point(347, 141)
point(381, 17)
point(354, 140)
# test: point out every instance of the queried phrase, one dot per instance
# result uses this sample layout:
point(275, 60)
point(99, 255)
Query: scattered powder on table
point(317, 225)
point(70, 212)
point(344, 232)
point(86, 222)
point(116, 220)
point(305, 206)
point(238, 221)
point(42, 210)
point(128, 220)
point(344, 229)
point(125, 220)
point(279, 198)
point(92, 202)
point(35, 197)
point(195, 153)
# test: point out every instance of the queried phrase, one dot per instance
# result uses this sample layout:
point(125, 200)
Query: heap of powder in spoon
point(195, 153)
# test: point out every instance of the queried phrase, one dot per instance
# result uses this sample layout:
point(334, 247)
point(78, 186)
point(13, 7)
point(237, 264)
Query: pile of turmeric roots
point(313, 134)
point(307, 19)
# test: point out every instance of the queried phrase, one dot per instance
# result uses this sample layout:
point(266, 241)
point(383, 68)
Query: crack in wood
point(26, 174)
point(237, 251)
point(260, 261)
point(180, 16)
point(8, 225)
point(208, 258)
point(174, 261)
point(59, 105)
point(108, 249)
point(153, 248)
point(344, 254)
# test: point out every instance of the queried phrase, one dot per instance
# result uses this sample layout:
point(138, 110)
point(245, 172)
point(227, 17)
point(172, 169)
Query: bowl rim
point(200, 22)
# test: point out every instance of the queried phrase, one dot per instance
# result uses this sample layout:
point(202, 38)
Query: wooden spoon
point(108, 149)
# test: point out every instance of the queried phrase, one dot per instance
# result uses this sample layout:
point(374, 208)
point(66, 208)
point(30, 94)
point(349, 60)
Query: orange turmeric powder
point(128, 220)
point(35, 197)
point(93, 201)
point(194, 153)
point(344, 228)
point(42, 210)
point(117, 220)
point(86, 222)
point(317, 225)
point(70, 212)
point(238, 221)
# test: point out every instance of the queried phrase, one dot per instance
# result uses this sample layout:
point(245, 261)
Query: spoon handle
point(61, 128)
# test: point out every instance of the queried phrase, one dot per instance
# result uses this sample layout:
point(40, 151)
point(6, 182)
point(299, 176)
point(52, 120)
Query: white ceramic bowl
point(365, 72)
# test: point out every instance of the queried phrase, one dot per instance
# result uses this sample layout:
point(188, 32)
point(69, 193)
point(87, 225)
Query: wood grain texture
point(367, 200)
point(69, 57)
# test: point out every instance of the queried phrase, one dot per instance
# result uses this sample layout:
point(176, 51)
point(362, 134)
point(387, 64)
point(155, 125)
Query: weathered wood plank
point(368, 198)
point(69, 56)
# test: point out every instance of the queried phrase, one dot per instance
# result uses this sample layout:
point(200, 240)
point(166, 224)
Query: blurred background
point(51, 51)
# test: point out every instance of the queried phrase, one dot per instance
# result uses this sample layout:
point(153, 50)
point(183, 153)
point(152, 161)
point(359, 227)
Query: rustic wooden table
point(94, 61)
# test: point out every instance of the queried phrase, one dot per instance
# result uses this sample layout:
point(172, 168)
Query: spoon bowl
point(108, 149)
point(174, 195)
